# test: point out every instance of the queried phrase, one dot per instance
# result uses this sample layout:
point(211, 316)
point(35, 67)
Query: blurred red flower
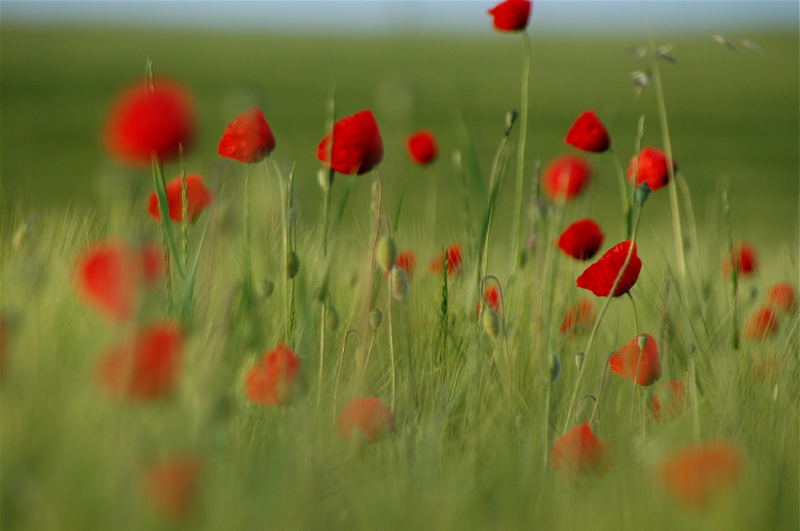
point(248, 138)
point(150, 121)
point(364, 418)
point(146, 368)
point(762, 324)
point(566, 177)
point(582, 239)
point(271, 381)
point(422, 147)
point(357, 145)
point(198, 197)
point(696, 475)
point(578, 318)
point(637, 360)
point(171, 486)
point(599, 277)
point(454, 259)
point(782, 296)
point(588, 133)
point(109, 275)
point(492, 295)
point(511, 15)
point(652, 168)
point(743, 259)
point(578, 451)
point(668, 400)
point(407, 261)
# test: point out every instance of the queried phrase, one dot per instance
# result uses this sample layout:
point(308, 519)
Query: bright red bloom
point(454, 259)
point(635, 363)
point(599, 277)
point(578, 318)
point(407, 261)
point(566, 177)
point(582, 239)
point(492, 296)
point(588, 133)
point(147, 368)
point(171, 486)
point(365, 418)
point(271, 382)
point(357, 145)
point(762, 324)
point(668, 400)
point(146, 122)
point(697, 474)
point(511, 15)
point(743, 258)
point(652, 168)
point(422, 147)
point(109, 275)
point(198, 197)
point(783, 297)
point(248, 138)
point(578, 451)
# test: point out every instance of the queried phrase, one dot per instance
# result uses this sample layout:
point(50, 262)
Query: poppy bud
point(375, 318)
point(386, 253)
point(324, 178)
point(641, 194)
point(398, 280)
point(331, 318)
point(522, 258)
point(267, 288)
point(292, 264)
point(490, 322)
point(555, 367)
point(579, 357)
point(511, 118)
point(642, 341)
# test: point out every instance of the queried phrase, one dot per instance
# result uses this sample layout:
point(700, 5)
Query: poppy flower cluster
point(651, 167)
point(695, 476)
point(600, 277)
point(248, 138)
point(271, 382)
point(566, 177)
point(422, 147)
point(357, 145)
point(579, 452)
point(511, 15)
point(637, 360)
point(454, 260)
point(582, 239)
point(364, 420)
point(588, 133)
point(171, 486)
point(198, 197)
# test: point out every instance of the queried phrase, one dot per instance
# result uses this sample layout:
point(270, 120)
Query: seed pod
point(375, 318)
point(641, 194)
point(292, 264)
point(386, 253)
point(331, 318)
point(511, 118)
point(398, 280)
point(555, 367)
point(642, 340)
point(267, 288)
point(491, 323)
point(579, 357)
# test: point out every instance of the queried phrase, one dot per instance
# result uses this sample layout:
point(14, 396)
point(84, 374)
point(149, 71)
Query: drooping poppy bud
point(398, 282)
point(357, 145)
point(198, 197)
point(248, 138)
point(588, 133)
point(582, 239)
point(386, 253)
point(600, 277)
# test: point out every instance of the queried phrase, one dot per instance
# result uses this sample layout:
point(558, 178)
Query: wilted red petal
point(696, 475)
point(599, 277)
point(365, 418)
point(511, 15)
point(762, 324)
point(783, 297)
point(271, 381)
point(652, 168)
point(668, 400)
point(588, 133)
point(198, 197)
point(566, 177)
point(248, 138)
point(578, 451)
point(582, 239)
point(578, 318)
point(171, 486)
point(422, 147)
point(357, 145)
point(743, 258)
point(150, 121)
point(635, 363)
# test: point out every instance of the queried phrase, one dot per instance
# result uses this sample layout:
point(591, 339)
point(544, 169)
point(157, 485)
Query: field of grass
point(464, 454)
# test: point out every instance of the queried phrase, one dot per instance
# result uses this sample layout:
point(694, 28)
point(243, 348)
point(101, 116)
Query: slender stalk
point(248, 258)
point(327, 190)
point(339, 367)
point(184, 210)
point(624, 191)
point(391, 342)
point(523, 138)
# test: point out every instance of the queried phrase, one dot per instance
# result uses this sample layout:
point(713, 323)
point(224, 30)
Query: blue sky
point(409, 15)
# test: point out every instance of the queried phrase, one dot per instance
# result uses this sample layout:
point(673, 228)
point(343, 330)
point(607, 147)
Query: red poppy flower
point(582, 239)
point(566, 177)
point(578, 318)
point(653, 168)
point(668, 400)
point(578, 451)
point(171, 486)
point(783, 297)
point(146, 122)
point(357, 145)
point(147, 368)
point(637, 362)
point(588, 133)
point(511, 15)
point(364, 418)
point(407, 261)
point(198, 197)
point(492, 295)
point(698, 474)
point(248, 138)
point(762, 324)
point(109, 274)
point(454, 259)
point(743, 258)
point(422, 147)
point(271, 381)
point(599, 277)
